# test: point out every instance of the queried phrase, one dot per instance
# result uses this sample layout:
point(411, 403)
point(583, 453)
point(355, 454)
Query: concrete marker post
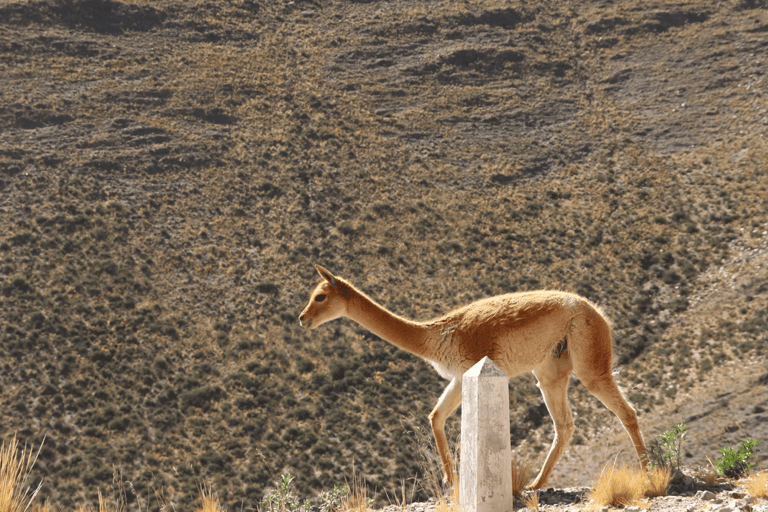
point(485, 480)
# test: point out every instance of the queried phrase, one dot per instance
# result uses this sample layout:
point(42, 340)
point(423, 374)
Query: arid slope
point(170, 171)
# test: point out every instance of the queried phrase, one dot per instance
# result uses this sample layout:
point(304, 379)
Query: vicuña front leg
point(449, 402)
point(553, 382)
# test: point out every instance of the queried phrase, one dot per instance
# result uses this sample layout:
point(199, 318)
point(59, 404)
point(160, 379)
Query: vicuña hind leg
point(606, 390)
point(590, 344)
point(553, 382)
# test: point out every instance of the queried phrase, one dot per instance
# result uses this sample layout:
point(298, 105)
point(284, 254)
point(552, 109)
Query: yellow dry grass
point(357, 499)
point(210, 501)
point(621, 485)
point(532, 501)
point(15, 495)
point(522, 473)
point(710, 478)
point(104, 506)
point(450, 505)
point(658, 482)
point(757, 485)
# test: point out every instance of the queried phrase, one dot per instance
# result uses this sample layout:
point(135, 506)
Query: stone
point(705, 495)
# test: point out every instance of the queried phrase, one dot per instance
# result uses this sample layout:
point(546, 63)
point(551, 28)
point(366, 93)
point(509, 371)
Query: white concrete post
point(485, 480)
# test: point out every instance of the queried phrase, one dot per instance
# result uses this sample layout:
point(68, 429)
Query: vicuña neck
point(401, 332)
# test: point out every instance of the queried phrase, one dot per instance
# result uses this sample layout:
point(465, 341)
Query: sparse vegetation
point(170, 170)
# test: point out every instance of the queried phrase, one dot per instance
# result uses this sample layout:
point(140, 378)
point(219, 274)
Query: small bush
point(304, 365)
point(16, 283)
point(734, 464)
point(664, 451)
point(283, 498)
point(334, 500)
point(201, 397)
point(346, 228)
point(245, 403)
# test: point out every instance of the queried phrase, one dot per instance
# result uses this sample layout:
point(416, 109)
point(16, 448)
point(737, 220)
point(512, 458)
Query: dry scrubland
point(170, 170)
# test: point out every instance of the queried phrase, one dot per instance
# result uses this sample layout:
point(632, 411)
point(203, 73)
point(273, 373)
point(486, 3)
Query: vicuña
point(550, 333)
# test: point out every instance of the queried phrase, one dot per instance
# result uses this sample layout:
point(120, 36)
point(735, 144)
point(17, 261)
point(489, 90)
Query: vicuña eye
point(320, 298)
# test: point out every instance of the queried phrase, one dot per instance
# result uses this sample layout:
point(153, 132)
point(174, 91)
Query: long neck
point(405, 334)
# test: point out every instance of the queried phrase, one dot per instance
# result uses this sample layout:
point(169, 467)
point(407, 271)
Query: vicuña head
point(550, 333)
point(327, 301)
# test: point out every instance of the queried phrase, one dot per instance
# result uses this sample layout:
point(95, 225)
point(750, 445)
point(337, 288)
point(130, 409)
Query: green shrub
point(16, 283)
point(201, 397)
point(732, 463)
point(283, 498)
point(304, 365)
point(346, 228)
point(301, 413)
point(334, 500)
point(664, 451)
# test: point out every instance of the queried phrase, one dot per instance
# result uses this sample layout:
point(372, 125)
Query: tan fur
point(519, 331)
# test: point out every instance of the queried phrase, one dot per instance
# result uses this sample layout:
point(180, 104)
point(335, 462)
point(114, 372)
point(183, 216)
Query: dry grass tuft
point(618, 486)
point(532, 501)
point(710, 478)
point(357, 499)
point(757, 485)
point(658, 482)
point(104, 506)
point(45, 507)
point(210, 500)
point(400, 502)
point(431, 467)
point(522, 472)
point(451, 504)
point(15, 495)
point(446, 505)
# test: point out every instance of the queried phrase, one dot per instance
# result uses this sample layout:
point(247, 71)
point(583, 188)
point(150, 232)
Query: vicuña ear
point(326, 275)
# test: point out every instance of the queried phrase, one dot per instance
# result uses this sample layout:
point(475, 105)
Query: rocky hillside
point(170, 171)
